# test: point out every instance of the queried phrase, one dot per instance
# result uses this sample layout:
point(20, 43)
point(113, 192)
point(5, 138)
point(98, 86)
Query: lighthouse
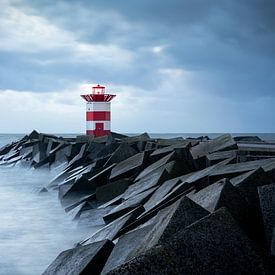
point(98, 112)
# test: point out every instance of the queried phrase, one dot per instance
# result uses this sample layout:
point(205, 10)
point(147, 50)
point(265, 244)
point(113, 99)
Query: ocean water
point(34, 228)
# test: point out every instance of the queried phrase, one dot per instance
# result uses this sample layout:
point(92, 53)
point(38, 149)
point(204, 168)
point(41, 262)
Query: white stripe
point(90, 125)
point(98, 106)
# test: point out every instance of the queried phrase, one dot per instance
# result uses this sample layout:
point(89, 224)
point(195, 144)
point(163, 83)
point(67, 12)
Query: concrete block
point(165, 225)
point(224, 194)
point(87, 259)
point(156, 165)
point(221, 143)
point(128, 205)
point(213, 245)
point(267, 203)
point(110, 231)
point(128, 166)
point(152, 179)
point(125, 245)
point(111, 190)
point(123, 152)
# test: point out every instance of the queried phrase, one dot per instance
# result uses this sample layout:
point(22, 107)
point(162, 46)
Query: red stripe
point(98, 133)
point(97, 115)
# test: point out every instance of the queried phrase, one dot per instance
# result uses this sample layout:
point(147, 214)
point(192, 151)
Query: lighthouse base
point(98, 132)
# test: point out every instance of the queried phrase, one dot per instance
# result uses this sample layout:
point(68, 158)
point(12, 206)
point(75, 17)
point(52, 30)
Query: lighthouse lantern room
point(98, 112)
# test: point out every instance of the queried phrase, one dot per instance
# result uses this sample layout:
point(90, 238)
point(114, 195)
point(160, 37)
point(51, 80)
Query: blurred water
point(34, 228)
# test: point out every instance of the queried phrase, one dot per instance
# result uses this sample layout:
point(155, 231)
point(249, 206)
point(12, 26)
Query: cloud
point(178, 66)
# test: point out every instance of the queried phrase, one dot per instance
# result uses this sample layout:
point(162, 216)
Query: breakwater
point(160, 205)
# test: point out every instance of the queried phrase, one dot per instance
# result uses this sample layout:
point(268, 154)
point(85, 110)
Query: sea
point(34, 228)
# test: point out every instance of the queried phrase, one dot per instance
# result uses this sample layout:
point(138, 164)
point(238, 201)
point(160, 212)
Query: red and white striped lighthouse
point(98, 112)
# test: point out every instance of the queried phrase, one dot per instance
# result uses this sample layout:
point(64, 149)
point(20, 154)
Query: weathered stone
point(123, 152)
point(43, 190)
point(152, 179)
point(115, 201)
point(128, 205)
point(76, 211)
point(72, 193)
point(87, 259)
point(107, 150)
point(125, 245)
point(84, 138)
point(213, 245)
point(247, 183)
point(248, 138)
point(267, 203)
point(224, 194)
point(34, 135)
point(118, 135)
point(166, 224)
point(142, 137)
point(222, 143)
point(128, 166)
point(156, 165)
point(182, 145)
point(174, 218)
point(111, 190)
point(92, 219)
point(218, 156)
point(232, 170)
point(78, 156)
point(273, 243)
point(110, 231)
point(161, 192)
point(102, 177)
point(7, 148)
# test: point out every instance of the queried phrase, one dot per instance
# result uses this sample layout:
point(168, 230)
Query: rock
point(123, 152)
point(232, 170)
point(108, 150)
point(118, 136)
point(128, 205)
point(161, 192)
point(115, 201)
point(267, 203)
point(142, 137)
point(248, 183)
point(43, 190)
point(128, 167)
point(176, 217)
point(183, 145)
point(111, 190)
point(75, 211)
point(152, 179)
point(78, 156)
point(102, 177)
point(111, 230)
point(165, 225)
point(33, 135)
point(92, 219)
point(125, 245)
point(222, 143)
point(215, 157)
point(87, 259)
point(213, 245)
point(248, 138)
point(156, 165)
point(273, 243)
point(224, 194)
point(84, 138)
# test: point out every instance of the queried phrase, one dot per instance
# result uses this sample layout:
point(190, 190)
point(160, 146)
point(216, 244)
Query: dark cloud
point(229, 46)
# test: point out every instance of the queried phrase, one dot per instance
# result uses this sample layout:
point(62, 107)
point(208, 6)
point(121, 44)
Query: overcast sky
point(176, 66)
